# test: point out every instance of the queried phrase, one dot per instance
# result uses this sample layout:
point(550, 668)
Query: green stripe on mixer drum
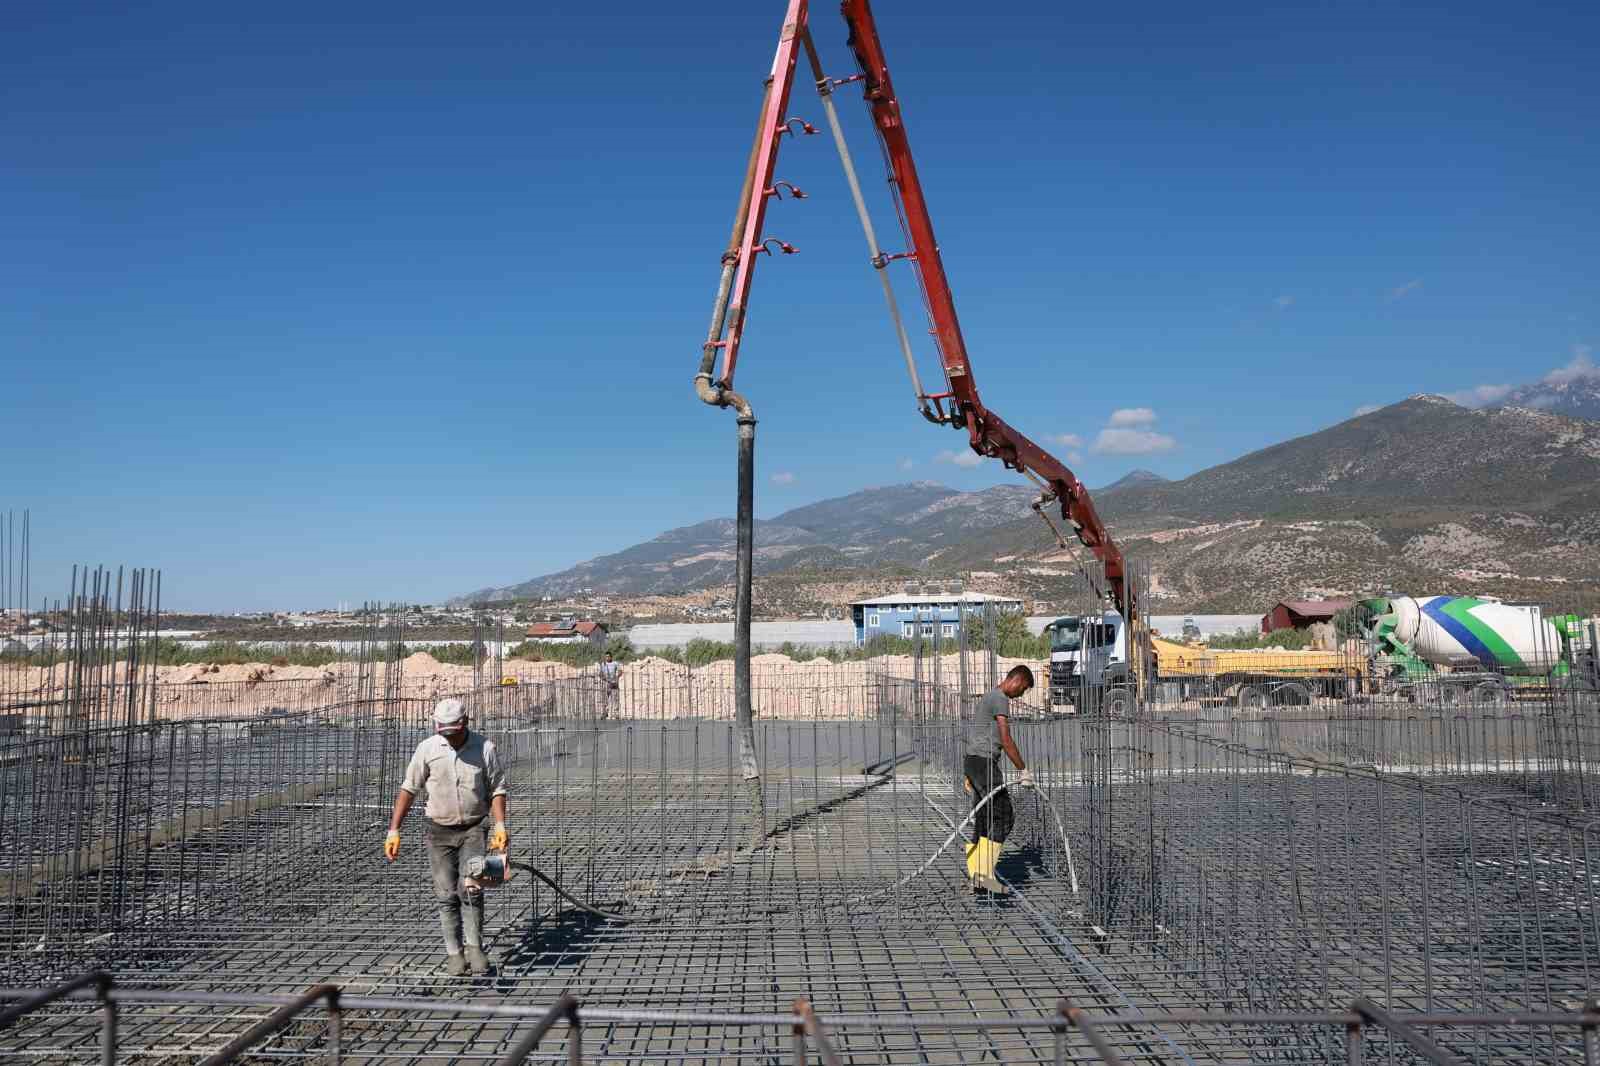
point(1460, 609)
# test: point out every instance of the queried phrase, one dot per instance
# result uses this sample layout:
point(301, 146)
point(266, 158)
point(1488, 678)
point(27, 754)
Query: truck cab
point(1086, 652)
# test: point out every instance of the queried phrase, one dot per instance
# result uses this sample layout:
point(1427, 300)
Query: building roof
point(898, 598)
point(557, 629)
point(1314, 608)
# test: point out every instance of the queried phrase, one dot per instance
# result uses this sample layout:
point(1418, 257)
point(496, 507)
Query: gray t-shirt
point(983, 736)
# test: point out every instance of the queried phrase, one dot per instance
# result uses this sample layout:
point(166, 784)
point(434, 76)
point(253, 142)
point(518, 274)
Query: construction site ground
point(1430, 859)
point(739, 931)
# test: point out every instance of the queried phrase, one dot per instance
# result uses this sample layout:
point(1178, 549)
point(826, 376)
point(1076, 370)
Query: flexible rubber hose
point(574, 900)
point(614, 917)
point(919, 871)
point(955, 832)
point(1044, 801)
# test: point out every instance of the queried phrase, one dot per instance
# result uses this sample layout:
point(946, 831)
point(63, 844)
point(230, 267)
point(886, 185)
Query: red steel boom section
point(960, 405)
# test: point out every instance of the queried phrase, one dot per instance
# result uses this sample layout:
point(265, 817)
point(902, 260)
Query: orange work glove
point(498, 837)
point(391, 845)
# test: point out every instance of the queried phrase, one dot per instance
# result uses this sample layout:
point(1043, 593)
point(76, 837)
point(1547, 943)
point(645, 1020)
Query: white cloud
point(1367, 409)
point(906, 464)
point(783, 477)
point(1407, 289)
point(963, 458)
point(1284, 302)
point(1478, 395)
point(1074, 458)
point(1115, 441)
point(1067, 440)
point(1131, 416)
point(1582, 366)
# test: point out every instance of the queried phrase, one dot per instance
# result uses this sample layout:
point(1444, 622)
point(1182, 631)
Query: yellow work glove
point(1026, 779)
point(498, 838)
point(391, 845)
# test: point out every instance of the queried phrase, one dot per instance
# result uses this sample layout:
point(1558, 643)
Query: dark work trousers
point(997, 816)
point(450, 848)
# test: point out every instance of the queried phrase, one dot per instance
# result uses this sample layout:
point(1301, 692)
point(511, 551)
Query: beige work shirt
point(459, 784)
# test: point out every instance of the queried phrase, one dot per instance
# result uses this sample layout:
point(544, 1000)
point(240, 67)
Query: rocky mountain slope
point(1422, 496)
point(1574, 393)
point(876, 527)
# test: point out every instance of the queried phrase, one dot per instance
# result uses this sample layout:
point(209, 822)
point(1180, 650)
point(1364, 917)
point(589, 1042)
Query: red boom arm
point(959, 405)
point(987, 432)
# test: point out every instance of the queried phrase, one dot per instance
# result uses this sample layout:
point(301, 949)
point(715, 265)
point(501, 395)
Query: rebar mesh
point(1293, 860)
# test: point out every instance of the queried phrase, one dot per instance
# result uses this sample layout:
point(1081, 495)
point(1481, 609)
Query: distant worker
point(611, 673)
point(464, 782)
point(988, 733)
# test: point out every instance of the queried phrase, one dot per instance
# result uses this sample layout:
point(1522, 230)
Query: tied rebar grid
point(1220, 855)
point(806, 1029)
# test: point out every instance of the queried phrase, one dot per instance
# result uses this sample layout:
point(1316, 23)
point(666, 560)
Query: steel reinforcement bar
point(1068, 1020)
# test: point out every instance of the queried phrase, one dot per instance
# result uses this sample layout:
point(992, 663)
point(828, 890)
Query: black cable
point(580, 904)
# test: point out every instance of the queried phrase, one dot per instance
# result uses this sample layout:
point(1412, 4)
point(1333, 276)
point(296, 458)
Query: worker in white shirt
point(464, 784)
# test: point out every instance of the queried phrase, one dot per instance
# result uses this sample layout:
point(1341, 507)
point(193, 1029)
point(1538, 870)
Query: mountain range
point(1571, 391)
point(1422, 496)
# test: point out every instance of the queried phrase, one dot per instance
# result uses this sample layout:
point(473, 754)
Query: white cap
point(448, 714)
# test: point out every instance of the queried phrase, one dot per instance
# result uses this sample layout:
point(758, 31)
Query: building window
point(908, 629)
point(927, 612)
point(905, 608)
point(947, 607)
point(872, 620)
point(949, 629)
point(927, 629)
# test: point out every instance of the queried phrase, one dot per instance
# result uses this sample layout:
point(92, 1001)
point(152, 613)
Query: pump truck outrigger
point(958, 405)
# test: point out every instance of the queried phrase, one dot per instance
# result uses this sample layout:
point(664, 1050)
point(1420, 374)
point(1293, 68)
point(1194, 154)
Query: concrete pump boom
point(959, 405)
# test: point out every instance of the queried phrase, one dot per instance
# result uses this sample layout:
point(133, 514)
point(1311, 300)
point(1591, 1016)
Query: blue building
point(907, 614)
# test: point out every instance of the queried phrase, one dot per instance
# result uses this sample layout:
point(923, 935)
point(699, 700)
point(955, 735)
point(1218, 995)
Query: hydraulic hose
point(610, 916)
point(955, 833)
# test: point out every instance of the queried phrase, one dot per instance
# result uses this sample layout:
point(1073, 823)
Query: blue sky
point(330, 302)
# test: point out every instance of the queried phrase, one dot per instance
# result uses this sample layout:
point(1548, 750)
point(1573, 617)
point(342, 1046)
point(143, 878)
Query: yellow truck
point(1091, 668)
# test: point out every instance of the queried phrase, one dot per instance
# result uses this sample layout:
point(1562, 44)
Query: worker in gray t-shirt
point(988, 735)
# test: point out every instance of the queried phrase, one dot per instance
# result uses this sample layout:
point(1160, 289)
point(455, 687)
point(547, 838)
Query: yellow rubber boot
point(989, 854)
point(974, 854)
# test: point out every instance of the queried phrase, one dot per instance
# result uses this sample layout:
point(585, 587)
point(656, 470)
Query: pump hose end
point(609, 916)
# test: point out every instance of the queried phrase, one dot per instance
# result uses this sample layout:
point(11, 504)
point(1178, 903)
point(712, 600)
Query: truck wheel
point(1119, 704)
point(1251, 698)
point(1293, 694)
point(1452, 695)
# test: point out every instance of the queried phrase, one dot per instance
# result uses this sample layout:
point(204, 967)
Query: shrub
point(1246, 639)
point(699, 652)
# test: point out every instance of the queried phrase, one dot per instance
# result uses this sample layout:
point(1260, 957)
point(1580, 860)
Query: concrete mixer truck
point(1459, 648)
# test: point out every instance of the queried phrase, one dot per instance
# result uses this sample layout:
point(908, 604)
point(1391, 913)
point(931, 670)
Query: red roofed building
point(1301, 614)
point(568, 631)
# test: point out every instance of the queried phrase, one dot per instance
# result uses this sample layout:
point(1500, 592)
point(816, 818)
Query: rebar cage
point(1176, 860)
